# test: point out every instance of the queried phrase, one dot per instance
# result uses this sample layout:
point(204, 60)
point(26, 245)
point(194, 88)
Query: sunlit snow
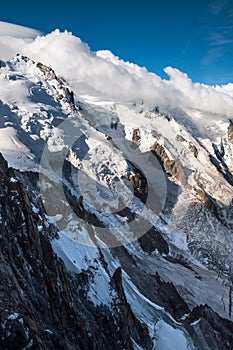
point(107, 75)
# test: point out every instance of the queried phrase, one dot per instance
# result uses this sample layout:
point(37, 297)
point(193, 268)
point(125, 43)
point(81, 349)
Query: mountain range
point(116, 201)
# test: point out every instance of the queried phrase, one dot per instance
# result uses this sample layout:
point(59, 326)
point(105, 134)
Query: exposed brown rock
point(139, 183)
point(202, 195)
point(193, 149)
point(136, 137)
point(171, 166)
point(49, 73)
point(230, 131)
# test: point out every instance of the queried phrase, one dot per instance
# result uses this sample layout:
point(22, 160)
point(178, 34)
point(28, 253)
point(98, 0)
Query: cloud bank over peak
point(111, 77)
point(213, 99)
point(17, 31)
point(13, 38)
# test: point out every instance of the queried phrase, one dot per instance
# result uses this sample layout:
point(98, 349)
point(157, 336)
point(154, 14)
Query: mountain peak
point(116, 221)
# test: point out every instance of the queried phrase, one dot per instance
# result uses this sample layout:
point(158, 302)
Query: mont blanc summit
point(116, 201)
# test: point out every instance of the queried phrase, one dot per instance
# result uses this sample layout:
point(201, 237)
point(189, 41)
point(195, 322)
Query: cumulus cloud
point(114, 78)
point(17, 31)
point(13, 38)
point(213, 99)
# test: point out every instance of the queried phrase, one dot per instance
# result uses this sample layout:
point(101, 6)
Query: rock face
point(136, 137)
point(193, 149)
point(62, 92)
point(230, 132)
point(42, 306)
point(171, 166)
point(207, 321)
point(171, 299)
point(136, 329)
point(153, 240)
point(208, 329)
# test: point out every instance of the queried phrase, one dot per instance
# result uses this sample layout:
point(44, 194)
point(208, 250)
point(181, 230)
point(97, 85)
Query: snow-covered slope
point(156, 230)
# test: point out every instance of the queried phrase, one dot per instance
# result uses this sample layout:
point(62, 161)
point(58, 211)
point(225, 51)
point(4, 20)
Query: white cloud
point(213, 99)
point(13, 37)
point(114, 78)
point(17, 31)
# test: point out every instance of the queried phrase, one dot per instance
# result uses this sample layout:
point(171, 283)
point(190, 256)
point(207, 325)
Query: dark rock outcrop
point(139, 332)
point(217, 331)
point(42, 306)
point(219, 162)
point(170, 298)
point(153, 240)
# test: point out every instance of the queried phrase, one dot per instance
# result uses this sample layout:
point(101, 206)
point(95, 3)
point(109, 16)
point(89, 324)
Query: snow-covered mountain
point(144, 261)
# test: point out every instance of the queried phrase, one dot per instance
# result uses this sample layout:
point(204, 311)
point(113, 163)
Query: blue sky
point(195, 36)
